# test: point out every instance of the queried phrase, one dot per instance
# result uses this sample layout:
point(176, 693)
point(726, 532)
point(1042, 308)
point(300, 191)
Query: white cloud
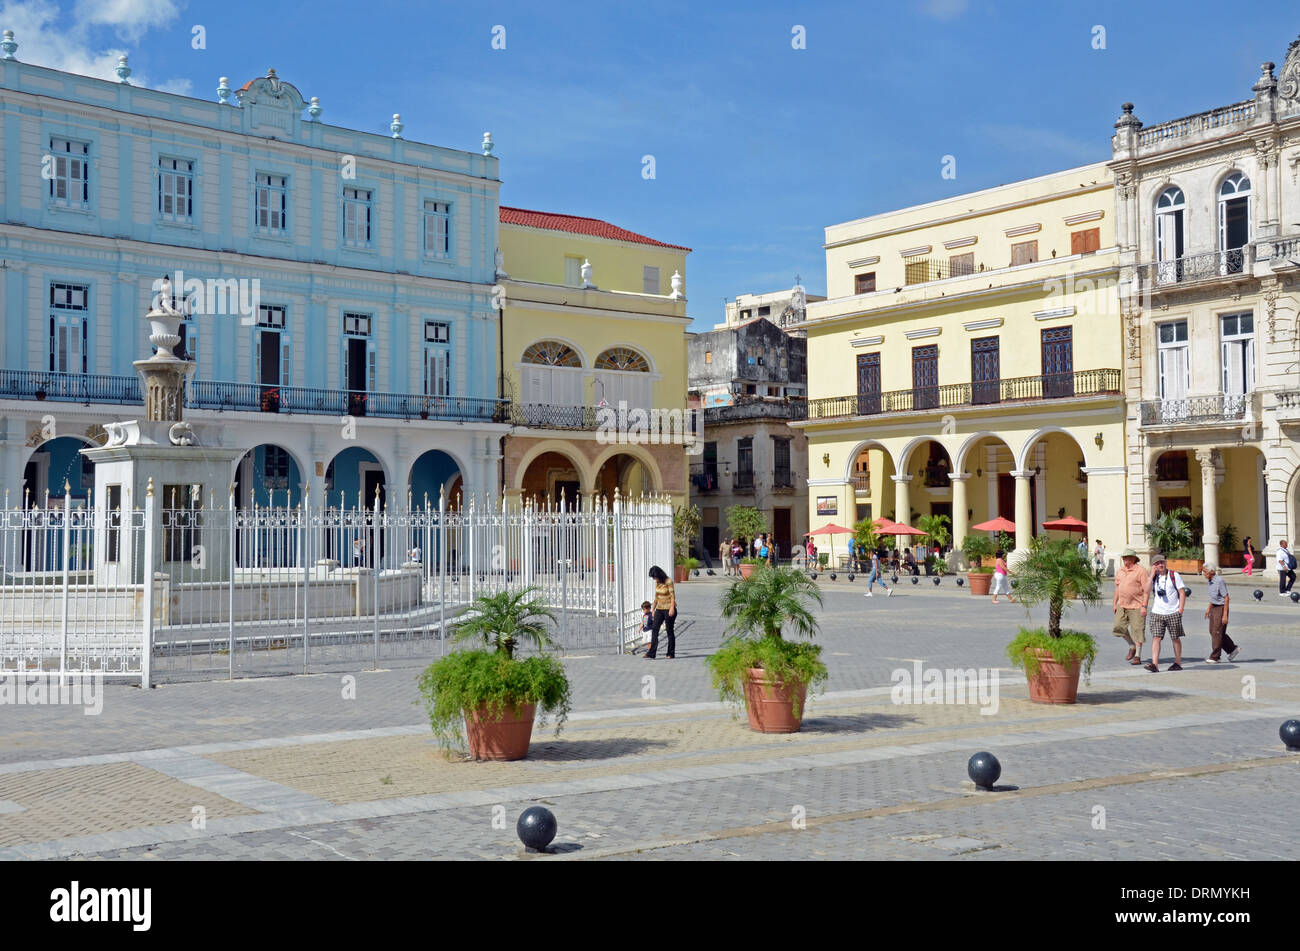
point(943, 9)
point(49, 36)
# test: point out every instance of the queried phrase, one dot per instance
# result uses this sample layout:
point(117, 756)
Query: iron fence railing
point(69, 387)
point(1051, 386)
point(1196, 409)
point(1199, 267)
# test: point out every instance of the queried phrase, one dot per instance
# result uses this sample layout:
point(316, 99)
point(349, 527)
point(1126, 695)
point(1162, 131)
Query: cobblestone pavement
point(1169, 765)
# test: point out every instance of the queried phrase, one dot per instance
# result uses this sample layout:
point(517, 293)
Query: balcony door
point(1058, 362)
point(1174, 369)
point(1170, 211)
point(1234, 222)
point(925, 377)
point(1237, 343)
point(270, 357)
point(985, 370)
point(868, 383)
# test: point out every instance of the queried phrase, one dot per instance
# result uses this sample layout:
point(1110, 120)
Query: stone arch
point(559, 446)
point(905, 454)
point(583, 362)
point(636, 452)
point(52, 482)
point(293, 487)
point(862, 447)
point(962, 458)
point(640, 351)
point(446, 479)
point(1022, 457)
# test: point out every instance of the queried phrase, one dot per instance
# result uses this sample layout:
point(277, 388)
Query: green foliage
point(743, 521)
point(772, 601)
point(690, 564)
point(1187, 553)
point(935, 528)
point(1171, 530)
point(503, 620)
point(464, 680)
point(1228, 538)
point(865, 538)
point(751, 560)
point(686, 527)
point(1065, 648)
point(976, 548)
point(1006, 541)
point(1053, 572)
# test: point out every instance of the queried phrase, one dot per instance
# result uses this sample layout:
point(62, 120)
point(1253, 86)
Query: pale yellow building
point(594, 335)
point(967, 362)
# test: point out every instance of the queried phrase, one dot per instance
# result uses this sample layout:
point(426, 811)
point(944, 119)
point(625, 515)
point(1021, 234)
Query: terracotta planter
point(1054, 683)
point(1232, 559)
point(771, 706)
point(980, 582)
point(746, 570)
point(1185, 566)
point(504, 739)
point(680, 573)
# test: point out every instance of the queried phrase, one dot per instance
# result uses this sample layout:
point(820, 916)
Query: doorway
point(781, 530)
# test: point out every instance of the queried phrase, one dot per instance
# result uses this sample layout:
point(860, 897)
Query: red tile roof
point(577, 225)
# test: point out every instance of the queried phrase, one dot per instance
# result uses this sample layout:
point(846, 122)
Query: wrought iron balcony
point(704, 478)
point(1233, 263)
point(862, 481)
point(951, 395)
point(743, 480)
point(782, 479)
point(255, 398)
point(1197, 410)
point(925, 270)
point(69, 387)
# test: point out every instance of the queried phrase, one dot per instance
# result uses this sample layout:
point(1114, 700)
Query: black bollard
point(1295, 597)
point(894, 578)
point(961, 582)
point(1290, 734)
point(832, 576)
point(984, 770)
point(850, 576)
point(536, 828)
point(1259, 595)
point(915, 580)
point(937, 579)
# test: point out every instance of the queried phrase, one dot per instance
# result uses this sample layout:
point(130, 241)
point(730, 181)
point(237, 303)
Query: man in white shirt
point(1166, 614)
point(1285, 573)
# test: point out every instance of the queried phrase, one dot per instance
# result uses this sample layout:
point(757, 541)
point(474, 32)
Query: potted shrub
point(1051, 658)
point(979, 576)
point(1186, 560)
point(683, 569)
point(756, 665)
point(1229, 555)
point(686, 526)
point(748, 564)
point(494, 695)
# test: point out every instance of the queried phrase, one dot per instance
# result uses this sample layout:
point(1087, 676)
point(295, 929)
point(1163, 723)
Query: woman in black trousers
point(665, 613)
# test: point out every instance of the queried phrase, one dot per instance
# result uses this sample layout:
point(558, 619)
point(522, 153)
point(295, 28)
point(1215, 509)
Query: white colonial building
point(1208, 224)
point(339, 284)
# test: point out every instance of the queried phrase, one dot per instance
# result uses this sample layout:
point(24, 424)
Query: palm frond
point(770, 601)
point(506, 619)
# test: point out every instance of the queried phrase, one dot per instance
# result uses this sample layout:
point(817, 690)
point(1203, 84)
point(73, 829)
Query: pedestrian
point(358, 552)
point(1285, 569)
point(665, 608)
point(1132, 592)
point(758, 544)
point(1217, 615)
point(1000, 583)
point(764, 549)
point(1248, 546)
point(647, 623)
point(1099, 559)
point(1166, 616)
point(737, 552)
point(909, 563)
point(773, 552)
point(724, 556)
point(1082, 548)
point(877, 575)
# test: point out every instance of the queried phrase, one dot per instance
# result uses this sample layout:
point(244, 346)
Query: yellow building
point(967, 362)
point(594, 335)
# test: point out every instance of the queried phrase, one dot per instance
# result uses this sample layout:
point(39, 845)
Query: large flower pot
point(771, 706)
point(1232, 559)
point(680, 573)
point(1186, 566)
point(980, 582)
point(503, 739)
point(1054, 683)
point(746, 570)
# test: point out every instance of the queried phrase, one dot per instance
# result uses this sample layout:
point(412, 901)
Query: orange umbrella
point(1067, 524)
point(998, 524)
point(832, 530)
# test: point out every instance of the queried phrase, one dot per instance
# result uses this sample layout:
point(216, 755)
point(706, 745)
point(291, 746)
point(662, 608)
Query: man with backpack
point(1166, 615)
point(1285, 569)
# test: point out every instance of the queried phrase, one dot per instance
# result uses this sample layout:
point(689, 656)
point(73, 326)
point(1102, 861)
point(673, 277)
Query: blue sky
point(757, 145)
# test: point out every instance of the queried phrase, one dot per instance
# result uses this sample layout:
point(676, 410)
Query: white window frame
point(69, 173)
point(437, 213)
point(358, 208)
point(68, 343)
point(1176, 406)
point(175, 188)
point(271, 203)
point(1237, 348)
point(650, 282)
point(358, 325)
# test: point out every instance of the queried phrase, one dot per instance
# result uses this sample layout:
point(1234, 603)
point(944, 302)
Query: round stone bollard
point(812, 575)
point(961, 582)
point(1259, 595)
point(1295, 597)
point(850, 577)
point(937, 579)
point(984, 770)
point(832, 576)
point(915, 580)
point(1290, 734)
point(894, 579)
point(536, 828)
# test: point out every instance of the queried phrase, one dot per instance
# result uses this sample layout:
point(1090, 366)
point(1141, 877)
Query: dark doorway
point(566, 492)
point(868, 383)
point(1007, 501)
point(1236, 233)
point(268, 373)
point(781, 529)
point(356, 376)
point(925, 377)
point(1058, 362)
point(985, 370)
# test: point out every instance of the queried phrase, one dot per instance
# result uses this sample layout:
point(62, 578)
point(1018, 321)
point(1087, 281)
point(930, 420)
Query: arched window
point(1234, 222)
point(1171, 199)
point(552, 353)
point(622, 358)
point(1234, 186)
point(1170, 210)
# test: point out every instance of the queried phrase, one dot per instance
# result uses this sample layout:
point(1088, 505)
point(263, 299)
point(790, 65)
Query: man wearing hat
point(1167, 602)
point(1132, 592)
point(1217, 615)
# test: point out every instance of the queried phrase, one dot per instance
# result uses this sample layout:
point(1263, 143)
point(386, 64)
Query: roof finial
point(223, 91)
point(8, 45)
point(488, 144)
point(123, 71)
point(396, 125)
point(314, 110)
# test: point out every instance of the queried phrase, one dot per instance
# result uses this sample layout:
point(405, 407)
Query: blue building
point(339, 284)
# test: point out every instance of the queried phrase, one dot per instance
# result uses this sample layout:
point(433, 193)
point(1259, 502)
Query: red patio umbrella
point(1067, 524)
point(832, 530)
point(998, 524)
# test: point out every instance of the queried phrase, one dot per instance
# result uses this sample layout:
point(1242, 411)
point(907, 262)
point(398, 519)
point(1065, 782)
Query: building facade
point(750, 380)
point(967, 363)
point(594, 359)
point(339, 285)
point(1208, 226)
point(783, 308)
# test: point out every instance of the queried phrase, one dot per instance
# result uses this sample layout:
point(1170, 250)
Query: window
point(745, 463)
point(272, 317)
point(356, 217)
point(69, 173)
point(1058, 362)
point(359, 361)
point(986, 370)
point(622, 375)
point(551, 374)
point(1026, 252)
point(358, 324)
point(271, 197)
point(176, 190)
point(649, 280)
point(1170, 208)
point(746, 314)
point(437, 229)
point(764, 311)
point(1234, 222)
point(708, 356)
point(437, 358)
point(69, 308)
point(437, 332)
point(782, 477)
point(925, 377)
point(864, 283)
point(573, 271)
point(270, 355)
point(1085, 242)
point(868, 383)
point(959, 265)
point(182, 521)
point(1237, 342)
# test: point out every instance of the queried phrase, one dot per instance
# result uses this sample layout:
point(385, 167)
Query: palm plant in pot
point(978, 549)
point(1053, 573)
point(686, 526)
point(493, 694)
point(756, 665)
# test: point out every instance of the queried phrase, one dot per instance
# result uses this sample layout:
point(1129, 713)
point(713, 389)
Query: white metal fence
point(239, 592)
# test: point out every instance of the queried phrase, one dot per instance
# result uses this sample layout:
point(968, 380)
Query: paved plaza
point(1183, 765)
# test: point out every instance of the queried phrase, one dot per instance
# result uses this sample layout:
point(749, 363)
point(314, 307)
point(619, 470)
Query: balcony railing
point(1241, 113)
point(1199, 267)
point(1221, 408)
point(704, 478)
point(782, 479)
point(743, 480)
point(935, 477)
point(1017, 389)
point(69, 387)
point(925, 270)
point(862, 481)
point(255, 398)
